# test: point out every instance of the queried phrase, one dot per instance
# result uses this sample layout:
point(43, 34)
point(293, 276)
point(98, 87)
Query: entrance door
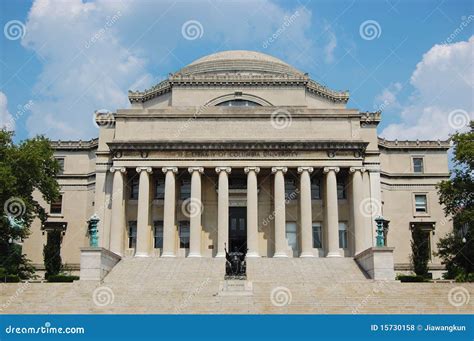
point(237, 229)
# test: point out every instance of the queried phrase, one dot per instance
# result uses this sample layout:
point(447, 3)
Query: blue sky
point(61, 60)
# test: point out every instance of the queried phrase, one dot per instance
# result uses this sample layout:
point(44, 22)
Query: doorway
point(237, 229)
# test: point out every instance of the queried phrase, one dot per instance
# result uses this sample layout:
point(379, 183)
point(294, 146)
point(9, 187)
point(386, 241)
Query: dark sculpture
point(235, 265)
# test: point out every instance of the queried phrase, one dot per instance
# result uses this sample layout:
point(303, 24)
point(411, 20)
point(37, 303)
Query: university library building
point(241, 152)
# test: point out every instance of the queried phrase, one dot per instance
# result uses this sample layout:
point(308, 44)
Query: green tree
point(457, 196)
point(25, 168)
point(52, 253)
point(420, 252)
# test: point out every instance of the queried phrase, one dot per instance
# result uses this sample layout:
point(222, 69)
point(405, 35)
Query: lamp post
point(382, 226)
point(93, 231)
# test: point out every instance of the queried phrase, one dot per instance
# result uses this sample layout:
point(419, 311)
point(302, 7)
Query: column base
point(141, 255)
point(306, 255)
point(333, 255)
point(194, 255)
point(168, 255)
point(280, 255)
point(252, 255)
point(220, 255)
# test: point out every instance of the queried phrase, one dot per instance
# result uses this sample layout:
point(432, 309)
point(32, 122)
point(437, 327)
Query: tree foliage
point(52, 254)
point(457, 196)
point(24, 169)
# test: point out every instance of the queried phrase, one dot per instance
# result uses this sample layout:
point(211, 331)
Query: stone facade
point(240, 129)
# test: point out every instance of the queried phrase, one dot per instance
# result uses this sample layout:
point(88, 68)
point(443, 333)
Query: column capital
point(228, 170)
point(255, 169)
point(169, 169)
point(357, 169)
point(196, 169)
point(146, 169)
point(279, 169)
point(305, 169)
point(329, 169)
point(118, 169)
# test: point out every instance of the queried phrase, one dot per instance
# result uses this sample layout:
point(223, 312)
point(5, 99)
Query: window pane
point(57, 206)
point(291, 235)
point(342, 236)
point(317, 236)
point(184, 234)
point(185, 189)
point(418, 165)
point(132, 234)
point(290, 189)
point(238, 103)
point(420, 203)
point(316, 189)
point(61, 165)
point(341, 189)
point(158, 234)
point(160, 189)
point(134, 189)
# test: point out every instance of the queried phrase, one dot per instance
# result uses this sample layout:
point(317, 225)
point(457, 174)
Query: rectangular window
point(315, 189)
point(61, 165)
point(342, 235)
point(57, 206)
point(420, 203)
point(160, 189)
point(134, 189)
point(158, 234)
point(292, 236)
point(317, 236)
point(290, 189)
point(341, 189)
point(132, 234)
point(185, 189)
point(418, 164)
point(184, 234)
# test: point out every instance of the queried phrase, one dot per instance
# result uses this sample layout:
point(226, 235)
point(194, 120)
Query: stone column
point(332, 215)
point(222, 210)
point(143, 216)
point(195, 208)
point(360, 237)
point(375, 199)
point(117, 224)
point(306, 214)
point(280, 214)
point(252, 211)
point(169, 235)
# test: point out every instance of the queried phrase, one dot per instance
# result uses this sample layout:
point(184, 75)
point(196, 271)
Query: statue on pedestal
point(236, 267)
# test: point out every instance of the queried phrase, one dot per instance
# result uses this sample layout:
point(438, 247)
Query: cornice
point(237, 145)
point(414, 144)
point(74, 145)
point(236, 79)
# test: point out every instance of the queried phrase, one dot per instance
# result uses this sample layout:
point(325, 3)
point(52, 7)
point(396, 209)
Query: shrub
point(411, 278)
point(52, 254)
point(463, 277)
point(62, 278)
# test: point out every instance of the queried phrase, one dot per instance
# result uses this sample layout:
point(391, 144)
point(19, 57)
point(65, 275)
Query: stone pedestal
point(377, 262)
point(96, 263)
point(235, 288)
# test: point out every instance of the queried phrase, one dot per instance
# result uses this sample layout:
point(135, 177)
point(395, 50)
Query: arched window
point(238, 103)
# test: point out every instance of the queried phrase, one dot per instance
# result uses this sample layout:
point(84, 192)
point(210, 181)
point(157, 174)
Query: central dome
point(239, 61)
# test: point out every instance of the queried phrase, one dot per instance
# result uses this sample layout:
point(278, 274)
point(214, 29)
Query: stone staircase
point(191, 285)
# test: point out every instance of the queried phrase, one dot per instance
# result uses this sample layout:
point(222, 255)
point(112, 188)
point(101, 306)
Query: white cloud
point(94, 52)
point(6, 119)
point(331, 45)
point(387, 99)
point(443, 94)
